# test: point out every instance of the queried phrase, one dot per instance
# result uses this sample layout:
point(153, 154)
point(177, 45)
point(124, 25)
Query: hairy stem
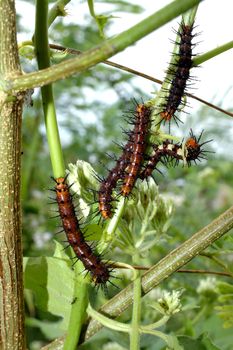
point(11, 273)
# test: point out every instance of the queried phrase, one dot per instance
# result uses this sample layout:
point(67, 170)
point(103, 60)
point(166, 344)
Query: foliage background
point(199, 193)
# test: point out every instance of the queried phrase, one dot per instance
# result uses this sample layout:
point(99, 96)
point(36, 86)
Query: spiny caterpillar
point(139, 145)
point(129, 164)
point(180, 72)
point(168, 151)
point(99, 270)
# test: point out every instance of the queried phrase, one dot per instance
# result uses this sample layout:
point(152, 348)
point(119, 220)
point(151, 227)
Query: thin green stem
point(105, 321)
point(136, 316)
point(199, 314)
point(189, 17)
point(108, 235)
point(203, 58)
point(42, 54)
point(170, 340)
point(78, 312)
point(157, 324)
point(143, 75)
point(57, 10)
point(107, 49)
point(212, 53)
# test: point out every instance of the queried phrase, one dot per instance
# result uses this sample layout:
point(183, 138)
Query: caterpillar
point(139, 134)
point(128, 165)
point(109, 183)
point(171, 151)
point(100, 271)
point(166, 150)
point(180, 72)
point(194, 148)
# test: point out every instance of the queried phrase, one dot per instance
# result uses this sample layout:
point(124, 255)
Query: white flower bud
point(169, 304)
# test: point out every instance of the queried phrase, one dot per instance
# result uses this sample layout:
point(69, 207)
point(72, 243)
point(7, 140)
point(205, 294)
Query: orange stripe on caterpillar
point(139, 134)
point(130, 160)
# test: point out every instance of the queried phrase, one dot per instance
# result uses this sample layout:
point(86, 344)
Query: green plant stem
point(212, 53)
point(57, 10)
point(143, 75)
point(107, 49)
point(170, 340)
point(157, 324)
point(136, 316)
point(108, 235)
point(78, 312)
point(146, 76)
point(42, 54)
point(161, 271)
point(115, 325)
point(203, 310)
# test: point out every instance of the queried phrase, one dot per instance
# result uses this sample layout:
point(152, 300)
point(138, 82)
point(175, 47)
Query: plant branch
point(136, 314)
point(57, 10)
point(161, 271)
point(143, 75)
point(43, 59)
point(198, 271)
point(212, 53)
point(107, 49)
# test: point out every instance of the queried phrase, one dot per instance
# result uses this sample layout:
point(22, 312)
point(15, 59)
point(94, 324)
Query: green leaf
point(203, 342)
point(27, 52)
point(101, 20)
point(93, 232)
point(52, 281)
point(51, 330)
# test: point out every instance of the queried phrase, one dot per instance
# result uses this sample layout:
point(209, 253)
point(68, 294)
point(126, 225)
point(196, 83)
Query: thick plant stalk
point(11, 273)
